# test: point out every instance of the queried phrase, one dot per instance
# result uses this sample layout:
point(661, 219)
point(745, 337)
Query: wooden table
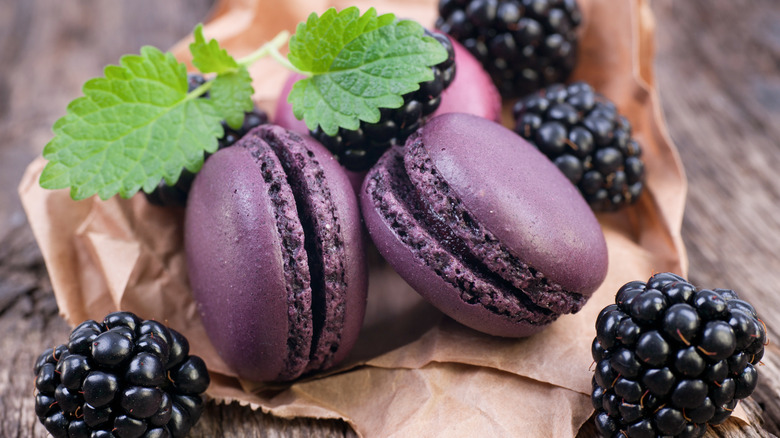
point(718, 68)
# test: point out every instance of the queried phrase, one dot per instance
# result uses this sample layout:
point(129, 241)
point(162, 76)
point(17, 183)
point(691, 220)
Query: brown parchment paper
point(414, 372)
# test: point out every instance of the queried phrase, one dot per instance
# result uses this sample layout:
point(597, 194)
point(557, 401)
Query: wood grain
point(718, 68)
point(718, 65)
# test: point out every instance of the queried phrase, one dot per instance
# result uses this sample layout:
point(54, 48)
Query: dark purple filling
point(297, 281)
point(323, 243)
point(447, 211)
point(439, 248)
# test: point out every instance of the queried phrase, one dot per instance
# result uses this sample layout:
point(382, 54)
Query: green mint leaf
point(131, 128)
point(231, 94)
point(208, 57)
point(353, 78)
point(318, 40)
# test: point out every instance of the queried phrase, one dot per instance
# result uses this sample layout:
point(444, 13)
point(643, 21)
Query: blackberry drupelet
point(124, 377)
point(176, 195)
point(358, 150)
point(671, 358)
point(583, 134)
point(523, 44)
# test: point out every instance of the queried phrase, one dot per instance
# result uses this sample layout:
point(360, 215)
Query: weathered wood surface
point(718, 68)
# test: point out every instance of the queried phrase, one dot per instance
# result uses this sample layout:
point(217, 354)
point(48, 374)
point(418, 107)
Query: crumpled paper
point(414, 372)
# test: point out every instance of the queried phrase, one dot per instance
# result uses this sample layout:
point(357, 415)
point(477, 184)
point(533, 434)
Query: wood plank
point(717, 68)
point(54, 47)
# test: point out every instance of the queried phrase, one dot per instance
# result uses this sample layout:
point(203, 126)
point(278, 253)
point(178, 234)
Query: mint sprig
point(357, 65)
point(131, 128)
point(139, 124)
point(231, 91)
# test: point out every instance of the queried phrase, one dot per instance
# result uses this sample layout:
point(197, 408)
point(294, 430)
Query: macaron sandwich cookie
point(275, 255)
point(484, 226)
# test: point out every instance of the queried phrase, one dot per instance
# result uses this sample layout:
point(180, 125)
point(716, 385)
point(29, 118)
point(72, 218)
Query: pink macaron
point(472, 92)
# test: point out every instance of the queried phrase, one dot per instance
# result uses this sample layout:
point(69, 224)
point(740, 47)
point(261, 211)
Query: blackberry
point(583, 134)
point(359, 149)
point(671, 359)
point(176, 195)
point(124, 377)
point(523, 44)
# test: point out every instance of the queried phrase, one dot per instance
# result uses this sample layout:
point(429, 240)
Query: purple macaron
point(275, 255)
point(484, 226)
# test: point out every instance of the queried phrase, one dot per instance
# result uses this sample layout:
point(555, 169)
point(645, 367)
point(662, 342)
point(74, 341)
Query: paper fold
point(414, 371)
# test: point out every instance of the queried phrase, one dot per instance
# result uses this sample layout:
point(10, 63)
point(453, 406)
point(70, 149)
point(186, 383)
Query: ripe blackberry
point(523, 44)
point(583, 134)
point(176, 195)
point(671, 359)
point(359, 149)
point(124, 377)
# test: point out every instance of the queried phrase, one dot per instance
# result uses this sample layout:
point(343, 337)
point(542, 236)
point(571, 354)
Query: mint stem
point(281, 59)
point(202, 89)
point(272, 48)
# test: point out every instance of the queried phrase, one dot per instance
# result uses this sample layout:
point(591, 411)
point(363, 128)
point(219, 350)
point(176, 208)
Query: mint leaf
point(209, 57)
point(358, 65)
point(131, 128)
point(231, 94)
point(318, 40)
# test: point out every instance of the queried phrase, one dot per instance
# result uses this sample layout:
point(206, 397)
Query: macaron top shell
point(520, 196)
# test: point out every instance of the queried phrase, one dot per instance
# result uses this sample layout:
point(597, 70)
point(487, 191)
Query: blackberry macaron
point(275, 255)
point(484, 226)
